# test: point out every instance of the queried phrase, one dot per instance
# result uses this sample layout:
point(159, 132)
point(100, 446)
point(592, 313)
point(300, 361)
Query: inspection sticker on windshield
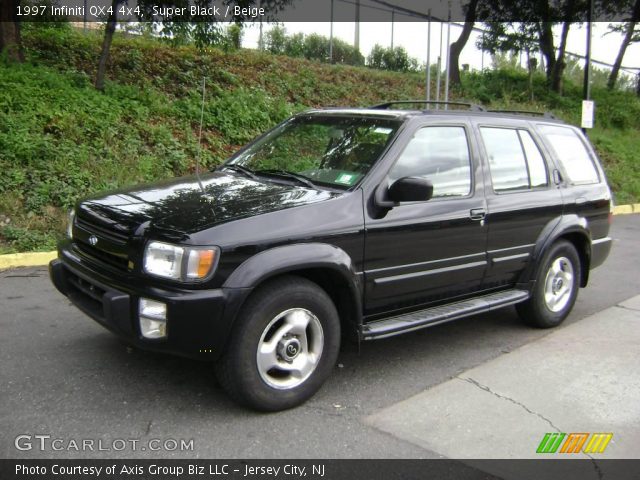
point(347, 178)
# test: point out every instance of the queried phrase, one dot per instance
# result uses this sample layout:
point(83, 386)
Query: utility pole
point(586, 105)
point(356, 40)
point(260, 37)
point(393, 15)
point(331, 36)
point(448, 64)
point(482, 54)
point(587, 60)
point(429, 56)
point(438, 73)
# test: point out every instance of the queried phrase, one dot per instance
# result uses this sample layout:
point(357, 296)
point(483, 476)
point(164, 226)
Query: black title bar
point(131, 469)
point(321, 10)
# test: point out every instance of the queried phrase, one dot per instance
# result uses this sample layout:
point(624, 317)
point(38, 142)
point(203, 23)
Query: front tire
point(283, 347)
point(556, 288)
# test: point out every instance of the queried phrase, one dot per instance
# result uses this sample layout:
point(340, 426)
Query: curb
point(626, 209)
point(28, 259)
point(38, 259)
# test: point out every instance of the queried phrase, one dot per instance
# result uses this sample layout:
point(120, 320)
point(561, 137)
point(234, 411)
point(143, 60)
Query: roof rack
point(471, 106)
point(527, 112)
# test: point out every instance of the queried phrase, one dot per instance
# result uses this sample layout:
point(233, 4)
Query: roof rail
point(472, 106)
point(527, 112)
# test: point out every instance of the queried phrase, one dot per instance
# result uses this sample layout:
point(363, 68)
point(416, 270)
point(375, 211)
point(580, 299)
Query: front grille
point(120, 263)
point(104, 232)
point(111, 248)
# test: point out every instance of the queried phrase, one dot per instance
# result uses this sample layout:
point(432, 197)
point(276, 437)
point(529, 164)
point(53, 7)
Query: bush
point(276, 40)
point(394, 59)
point(311, 47)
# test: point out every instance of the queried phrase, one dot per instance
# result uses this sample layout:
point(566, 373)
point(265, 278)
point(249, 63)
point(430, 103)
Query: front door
point(423, 252)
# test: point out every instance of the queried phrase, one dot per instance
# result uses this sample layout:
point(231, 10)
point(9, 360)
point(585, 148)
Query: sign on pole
point(587, 113)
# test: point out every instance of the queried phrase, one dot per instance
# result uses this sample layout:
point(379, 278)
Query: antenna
point(200, 136)
point(200, 149)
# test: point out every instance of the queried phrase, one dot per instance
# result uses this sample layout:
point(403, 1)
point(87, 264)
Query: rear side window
point(571, 152)
point(515, 162)
point(441, 155)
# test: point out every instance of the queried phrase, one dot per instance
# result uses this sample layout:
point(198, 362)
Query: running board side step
point(444, 313)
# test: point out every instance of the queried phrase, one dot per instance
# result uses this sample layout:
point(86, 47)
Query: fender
point(556, 228)
point(300, 256)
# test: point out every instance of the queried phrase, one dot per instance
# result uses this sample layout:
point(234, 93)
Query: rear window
point(571, 152)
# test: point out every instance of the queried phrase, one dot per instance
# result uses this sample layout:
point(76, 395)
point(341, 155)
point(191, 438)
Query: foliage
point(395, 59)
point(311, 47)
point(61, 140)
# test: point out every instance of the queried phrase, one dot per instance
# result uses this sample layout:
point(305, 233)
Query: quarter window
point(515, 162)
point(441, 155)
point(571, 153)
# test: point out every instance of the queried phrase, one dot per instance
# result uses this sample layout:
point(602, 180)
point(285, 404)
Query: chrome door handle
point(477, 213)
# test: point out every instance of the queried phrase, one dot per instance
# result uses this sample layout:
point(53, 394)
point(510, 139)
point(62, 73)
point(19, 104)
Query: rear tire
point(556, 288)
point(283, 347)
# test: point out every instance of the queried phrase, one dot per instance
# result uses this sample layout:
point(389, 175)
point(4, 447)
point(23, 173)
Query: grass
point(60, 139)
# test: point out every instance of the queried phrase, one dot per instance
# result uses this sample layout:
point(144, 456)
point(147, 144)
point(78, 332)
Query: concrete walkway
point(581, 378)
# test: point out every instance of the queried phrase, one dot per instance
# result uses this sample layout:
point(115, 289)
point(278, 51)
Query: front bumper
point(198, 321)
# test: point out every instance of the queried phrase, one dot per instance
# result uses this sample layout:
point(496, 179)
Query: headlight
point(179, 263)
point(70, 218)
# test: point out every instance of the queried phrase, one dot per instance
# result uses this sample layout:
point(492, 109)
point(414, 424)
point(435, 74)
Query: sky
point(413, 37)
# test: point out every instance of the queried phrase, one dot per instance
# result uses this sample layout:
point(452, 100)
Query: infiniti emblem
point(93, 240)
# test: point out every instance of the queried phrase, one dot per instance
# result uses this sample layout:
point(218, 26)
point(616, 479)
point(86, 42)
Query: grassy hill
point(61, 139)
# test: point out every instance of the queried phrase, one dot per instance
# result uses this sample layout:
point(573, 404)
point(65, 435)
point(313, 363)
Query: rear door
point(521, 197)
point(421, 252)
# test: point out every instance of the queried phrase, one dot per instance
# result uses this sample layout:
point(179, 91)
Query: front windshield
point(332, 150)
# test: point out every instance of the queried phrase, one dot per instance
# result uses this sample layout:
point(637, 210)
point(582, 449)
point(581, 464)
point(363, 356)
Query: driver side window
point(441, 155)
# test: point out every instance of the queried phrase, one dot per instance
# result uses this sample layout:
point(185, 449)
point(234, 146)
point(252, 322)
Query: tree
point(456, 47)
point(395, 59)
point(202, 30)
point(10, 40)
point(106, 45)
point(631, 35)
point(535, 31)
point(276, 40)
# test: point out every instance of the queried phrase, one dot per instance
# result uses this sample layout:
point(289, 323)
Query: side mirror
point(410, 189)
point(405, 189)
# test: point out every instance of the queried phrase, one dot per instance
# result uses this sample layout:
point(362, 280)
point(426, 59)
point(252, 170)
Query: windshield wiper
point(239, 168)
point(284, 173)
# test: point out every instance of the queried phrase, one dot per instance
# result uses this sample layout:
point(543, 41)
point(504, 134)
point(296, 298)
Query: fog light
point(153, 318)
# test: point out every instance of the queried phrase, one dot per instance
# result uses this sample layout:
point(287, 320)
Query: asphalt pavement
point(64, 376)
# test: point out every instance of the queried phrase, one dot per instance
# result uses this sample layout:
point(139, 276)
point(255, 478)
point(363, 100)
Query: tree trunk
point(613, 76)
point(456, 47)
point(560, 64)
point(532, 64)
point(547, 48)
point(10, 39)
point(106, 45)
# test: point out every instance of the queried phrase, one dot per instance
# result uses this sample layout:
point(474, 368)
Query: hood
point(180, 207)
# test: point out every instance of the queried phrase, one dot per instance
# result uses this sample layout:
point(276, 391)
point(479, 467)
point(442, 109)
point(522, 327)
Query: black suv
point(338, 223)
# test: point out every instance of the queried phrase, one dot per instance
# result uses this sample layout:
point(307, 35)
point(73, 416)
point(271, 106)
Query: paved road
point(64, 375)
